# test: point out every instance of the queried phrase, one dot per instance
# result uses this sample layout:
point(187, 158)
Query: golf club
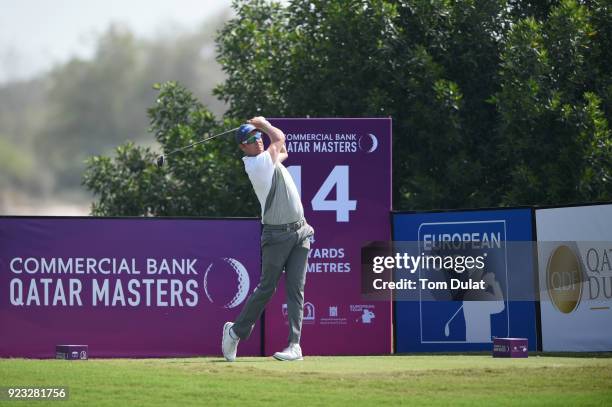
point(446, 327)
point(162, 158)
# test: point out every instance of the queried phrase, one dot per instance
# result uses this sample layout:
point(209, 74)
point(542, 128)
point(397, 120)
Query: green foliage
point(493, 102)
point(207, 180)
point(485, 95)
point(554, 132)
point(431, 65)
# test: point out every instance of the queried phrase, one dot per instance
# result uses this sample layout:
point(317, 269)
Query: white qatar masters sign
point(575, 276)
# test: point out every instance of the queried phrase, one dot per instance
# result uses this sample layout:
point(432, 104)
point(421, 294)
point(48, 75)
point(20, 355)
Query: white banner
point(575, 275)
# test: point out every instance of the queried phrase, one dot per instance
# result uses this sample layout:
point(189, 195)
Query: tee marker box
point(510, 347)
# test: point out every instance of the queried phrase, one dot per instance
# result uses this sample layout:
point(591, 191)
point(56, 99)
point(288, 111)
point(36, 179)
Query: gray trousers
point(282, 249)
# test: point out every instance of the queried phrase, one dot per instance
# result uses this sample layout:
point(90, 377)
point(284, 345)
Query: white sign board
point(575, 277)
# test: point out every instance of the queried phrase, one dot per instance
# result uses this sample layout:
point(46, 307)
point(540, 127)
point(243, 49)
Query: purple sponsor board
point(125, 287)
point(342, 168)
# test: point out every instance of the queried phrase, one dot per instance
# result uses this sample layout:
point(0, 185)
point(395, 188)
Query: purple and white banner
point(342, 168)
point(124, 287)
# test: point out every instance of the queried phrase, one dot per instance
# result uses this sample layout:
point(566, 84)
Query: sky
point(35, 35)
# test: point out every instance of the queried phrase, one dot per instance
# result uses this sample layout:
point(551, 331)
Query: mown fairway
point(472, 380)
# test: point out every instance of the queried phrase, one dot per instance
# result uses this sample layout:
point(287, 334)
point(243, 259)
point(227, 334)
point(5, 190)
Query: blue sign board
point(429, 324)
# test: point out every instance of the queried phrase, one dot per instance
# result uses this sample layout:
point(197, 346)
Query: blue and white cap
point(243, 132)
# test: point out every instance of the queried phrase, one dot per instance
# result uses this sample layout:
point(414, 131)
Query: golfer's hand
point(260, 122)
point(277, 149)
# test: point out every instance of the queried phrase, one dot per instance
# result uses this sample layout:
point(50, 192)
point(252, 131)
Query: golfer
point(285, 240)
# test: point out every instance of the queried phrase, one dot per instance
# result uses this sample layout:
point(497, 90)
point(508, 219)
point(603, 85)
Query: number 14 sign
point(342, 169)
point(338, 178)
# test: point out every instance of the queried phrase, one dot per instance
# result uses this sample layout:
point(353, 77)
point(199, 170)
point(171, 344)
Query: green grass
point(421, 380)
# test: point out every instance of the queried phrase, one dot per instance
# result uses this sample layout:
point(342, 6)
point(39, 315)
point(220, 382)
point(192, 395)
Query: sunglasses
point(252, 139)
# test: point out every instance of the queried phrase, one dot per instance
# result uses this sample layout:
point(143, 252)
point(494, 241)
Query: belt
point(287, 226)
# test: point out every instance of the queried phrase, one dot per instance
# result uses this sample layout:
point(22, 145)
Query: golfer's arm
point(277, 148)
point(283, 153)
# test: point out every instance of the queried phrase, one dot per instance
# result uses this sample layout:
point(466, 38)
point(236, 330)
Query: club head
point(160, 161)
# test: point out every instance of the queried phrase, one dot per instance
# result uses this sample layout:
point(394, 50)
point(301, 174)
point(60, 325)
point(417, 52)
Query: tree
point(431, 65)
point(554, 131)
point(494, 102)
point(206, 180)
point(442, 71)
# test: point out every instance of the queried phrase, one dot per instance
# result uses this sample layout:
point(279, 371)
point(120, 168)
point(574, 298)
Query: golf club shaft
point(454, 315)
point(201, 141)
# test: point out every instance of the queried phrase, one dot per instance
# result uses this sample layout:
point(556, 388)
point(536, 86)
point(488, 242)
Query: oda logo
point(564, 278)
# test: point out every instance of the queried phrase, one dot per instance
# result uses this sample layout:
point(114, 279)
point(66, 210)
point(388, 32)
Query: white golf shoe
point(291, 352)
point(229, 345)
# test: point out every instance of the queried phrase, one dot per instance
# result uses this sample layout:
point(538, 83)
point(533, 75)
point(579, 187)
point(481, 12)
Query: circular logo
point(226, 282)
point(368, 143)
point(564, 279)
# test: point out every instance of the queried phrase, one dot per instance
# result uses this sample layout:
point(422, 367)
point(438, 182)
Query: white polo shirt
point(260, 170)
